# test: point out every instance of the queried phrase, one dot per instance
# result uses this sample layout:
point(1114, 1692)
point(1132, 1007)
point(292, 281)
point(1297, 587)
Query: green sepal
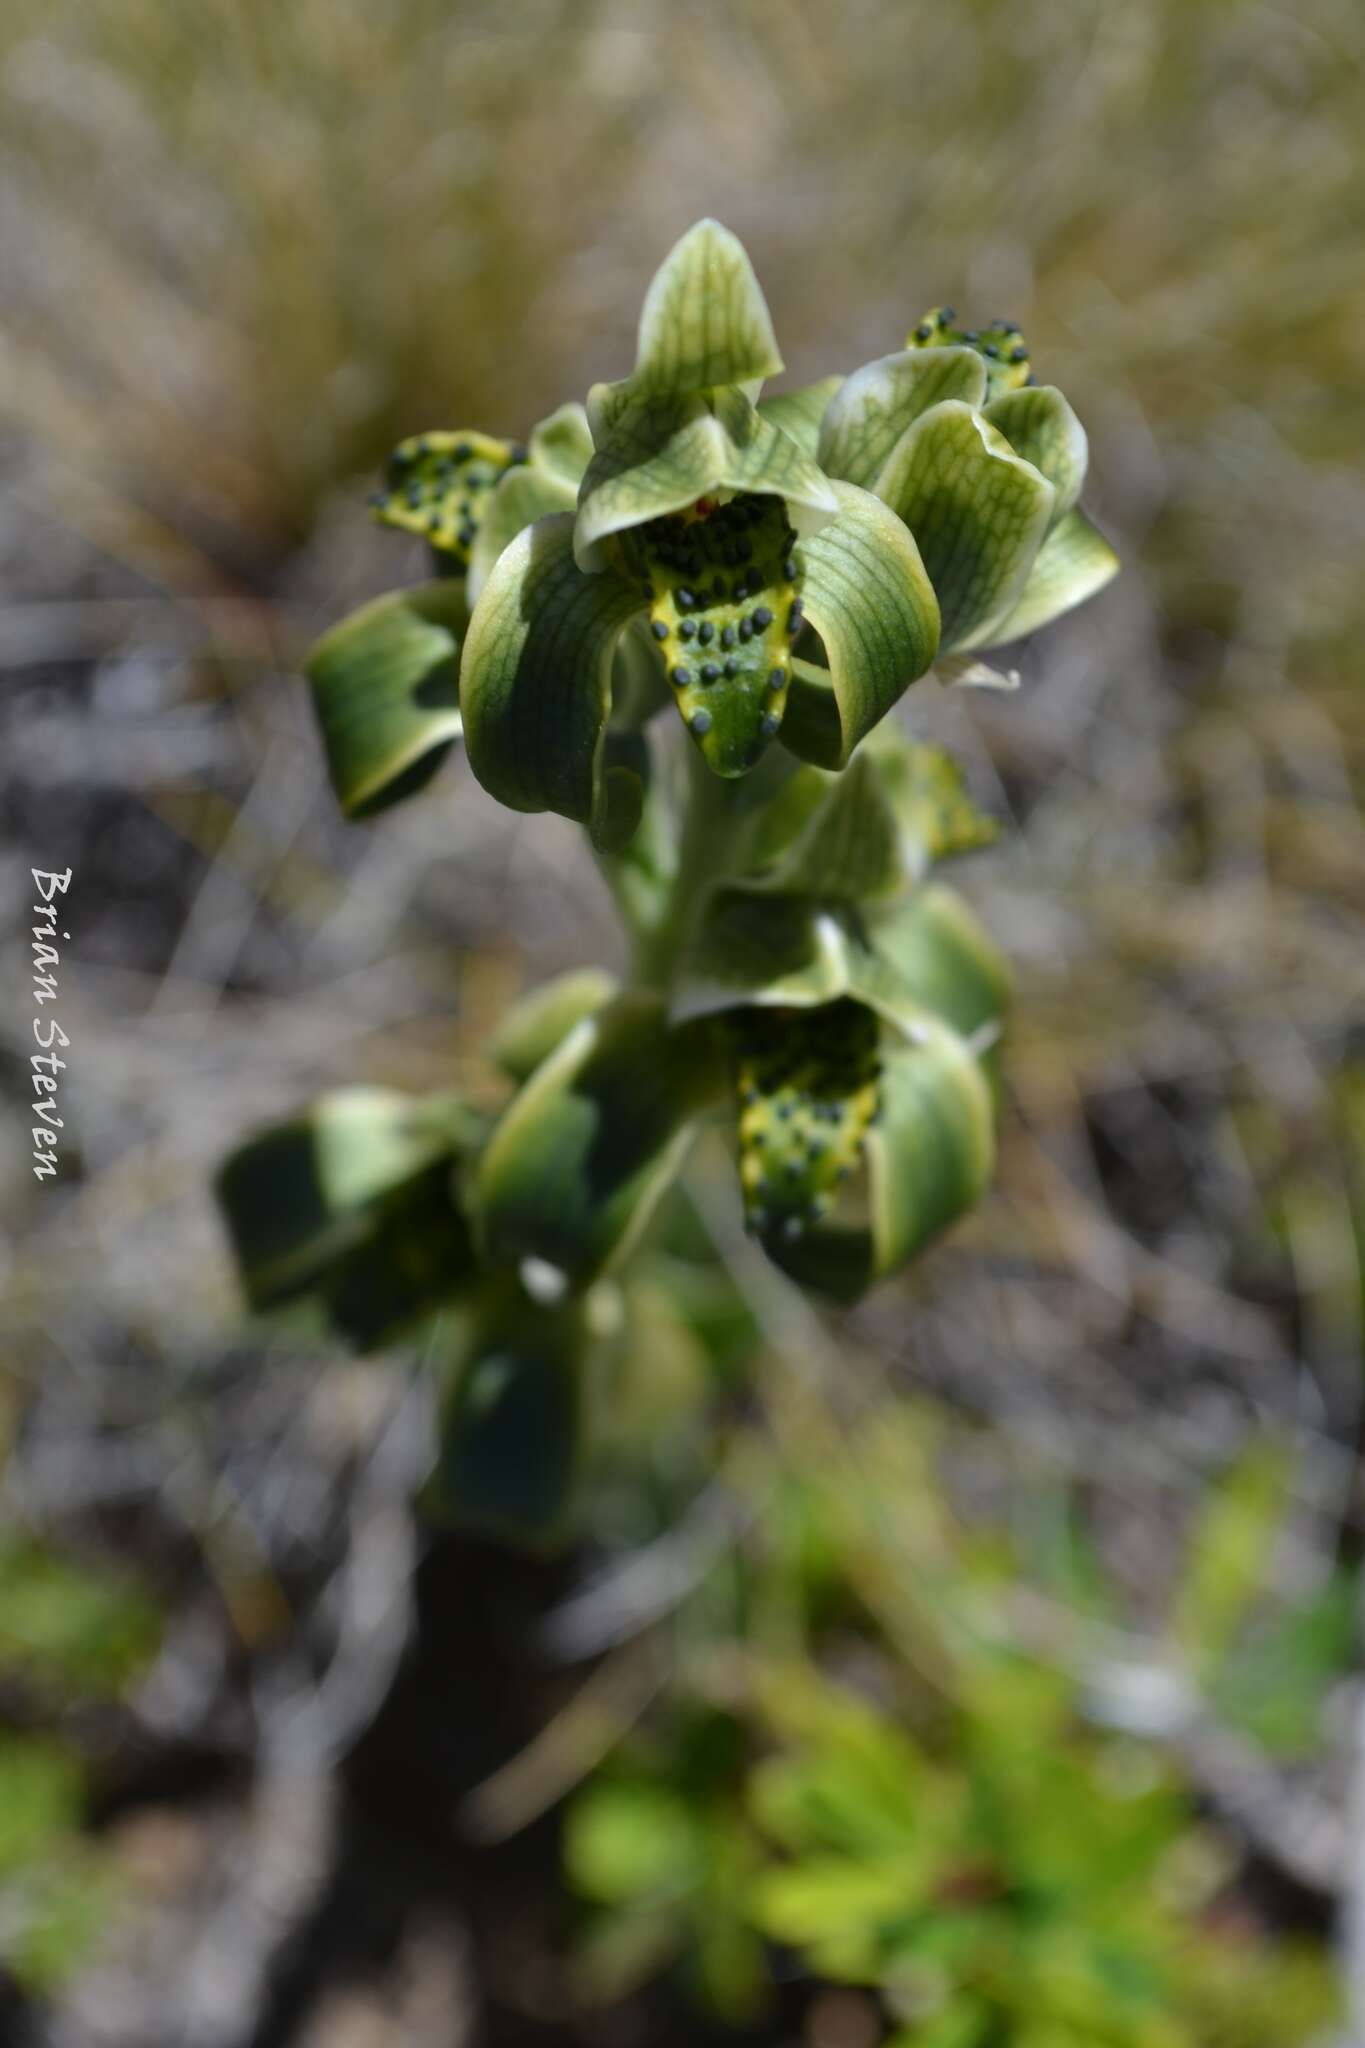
point(799, 413)
point(535, 684)
point(898, 808)
point(585, 1150)
point(512, 1421)
point(354, 1204)
point(926, 789)
point(705, 320)
point(1041, 427)
point(978, 511)
point(530, 1031)
point(831, 837)
point(558, 452)
point(928, 1158)
point(1074, 562)
point(867, 594)
point(385, 685)
point(794, 952)
point(875, 406)
point(946, 959)
point(807, 1083)
point(657, 455)
point(438, 485)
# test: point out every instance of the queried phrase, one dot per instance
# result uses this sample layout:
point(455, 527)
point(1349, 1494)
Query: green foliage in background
point(71, 1637)
point(886, 1787)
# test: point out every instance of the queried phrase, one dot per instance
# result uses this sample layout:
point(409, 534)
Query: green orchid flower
point(985, 467)
point(386, 680)
point(847, 1026)
point(704, 519)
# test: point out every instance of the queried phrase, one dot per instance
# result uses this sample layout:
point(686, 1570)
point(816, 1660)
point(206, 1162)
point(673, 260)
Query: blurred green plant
point(780, 571)
point(70, 1637)
point(936, 1822)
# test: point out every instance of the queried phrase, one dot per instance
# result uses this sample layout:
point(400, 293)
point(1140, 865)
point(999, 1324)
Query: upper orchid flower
point(707, 526)
point(984, 466)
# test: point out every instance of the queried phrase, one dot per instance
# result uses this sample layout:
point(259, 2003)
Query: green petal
point(585, 1150)
point(354, 1204)
point(535, 684)
point(559, 450)
point(723, 588)
point(978, 511)
point(867, 595)
point(799, 413)
point(876, 405)
point(807, 1082)
point(437, 486)
point(929, 1157)
point(524, 495)
point(927, 793)
point(386, 692)
point(561, 444)
point(1040, 425)
point(946, 958)
point(659, 455)
point(705, 321)
point(512, 1422)
point(1074, 562)
point(530, 1031)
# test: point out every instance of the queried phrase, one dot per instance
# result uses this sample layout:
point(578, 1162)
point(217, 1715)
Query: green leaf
point(535, 684)
point(977, 510)
point(512, 1422)
point(826, 1896)
point(945, 957)
point(1040, 425)
point(386, 692)
point(632, 1843)
point(354, 1204)
point(867, 595)
point(874, 406)
point(42, 1790)
point(559, 451)
point(578, 1161)
point(929, 1157)
point(529, 1032)
point(724, 586)
point(1074, 562)
point(705, 321)
point(68, 1626)
point(800, 412)
point(660, 454)
point(438, 485)
point(1228, 1552)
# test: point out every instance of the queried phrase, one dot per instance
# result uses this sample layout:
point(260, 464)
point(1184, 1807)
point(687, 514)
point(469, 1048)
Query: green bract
point(781, 568)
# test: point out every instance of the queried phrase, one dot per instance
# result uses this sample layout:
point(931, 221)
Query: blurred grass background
point(246, 248)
